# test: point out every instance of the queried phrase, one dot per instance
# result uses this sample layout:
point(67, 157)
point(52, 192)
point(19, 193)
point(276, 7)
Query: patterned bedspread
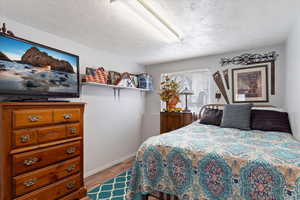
point(209, 162)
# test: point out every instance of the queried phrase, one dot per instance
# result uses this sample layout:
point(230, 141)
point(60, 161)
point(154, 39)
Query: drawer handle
point(67, 116)
point(71, 150)
point(25, 138)
point(30, 182)
point(34, 118)
point(71, 168)
point(73, 130)
point(71, 185)
point(31, 161)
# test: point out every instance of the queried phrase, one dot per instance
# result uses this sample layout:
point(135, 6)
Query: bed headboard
point(218, 106)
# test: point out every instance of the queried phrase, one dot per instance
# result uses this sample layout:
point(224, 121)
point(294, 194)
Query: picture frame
point(272, 75)
point(134, 78)
point(226, 78)
point(126, 81)
point(250, 84)
point(219, 82)
point(97, 75)
point(113, 77)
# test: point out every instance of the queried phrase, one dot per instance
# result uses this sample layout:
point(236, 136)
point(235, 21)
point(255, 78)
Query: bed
point(209, 162)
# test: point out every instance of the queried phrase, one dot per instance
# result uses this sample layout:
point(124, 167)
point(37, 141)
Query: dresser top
point(41, 103)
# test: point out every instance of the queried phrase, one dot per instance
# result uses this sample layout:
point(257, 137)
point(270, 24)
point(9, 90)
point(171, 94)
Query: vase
point(171, 104)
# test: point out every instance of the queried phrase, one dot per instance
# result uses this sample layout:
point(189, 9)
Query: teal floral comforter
point(208, 162)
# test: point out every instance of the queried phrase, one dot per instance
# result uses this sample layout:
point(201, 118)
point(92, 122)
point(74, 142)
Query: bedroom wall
point(112, 127)
point(292, 78)
point(151, 122)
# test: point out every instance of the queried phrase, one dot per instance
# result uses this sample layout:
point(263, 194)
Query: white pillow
point(268, 108)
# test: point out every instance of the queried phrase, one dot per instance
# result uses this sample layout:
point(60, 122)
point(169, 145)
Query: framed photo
point(113, 77)
point(126, 81)
point(250, 84)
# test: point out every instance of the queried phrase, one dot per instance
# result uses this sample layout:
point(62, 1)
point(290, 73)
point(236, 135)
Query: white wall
point(151, 124)
point(293, 78)
point(112, 128)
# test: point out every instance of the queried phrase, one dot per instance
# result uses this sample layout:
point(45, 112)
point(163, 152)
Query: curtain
point(197, 81)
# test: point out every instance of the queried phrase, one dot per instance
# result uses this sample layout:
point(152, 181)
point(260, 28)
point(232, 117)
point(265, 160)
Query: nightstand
point(170, 121)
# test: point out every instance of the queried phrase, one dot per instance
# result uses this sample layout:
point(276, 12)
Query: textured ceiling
point(208, 26)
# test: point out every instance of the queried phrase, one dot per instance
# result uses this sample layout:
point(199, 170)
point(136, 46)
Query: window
point(198, 81)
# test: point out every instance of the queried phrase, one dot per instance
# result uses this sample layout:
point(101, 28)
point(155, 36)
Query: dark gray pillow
point(269, 120)
point(237, 116)
point(211, 117)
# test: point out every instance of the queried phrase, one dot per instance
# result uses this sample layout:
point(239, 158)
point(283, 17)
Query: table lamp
point(186, 92)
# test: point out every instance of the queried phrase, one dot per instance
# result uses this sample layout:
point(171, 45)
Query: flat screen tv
point(35, 70)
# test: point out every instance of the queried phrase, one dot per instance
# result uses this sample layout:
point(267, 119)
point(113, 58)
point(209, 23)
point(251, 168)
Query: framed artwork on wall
point(218, 80)
point(250, 84)
point(226, 78)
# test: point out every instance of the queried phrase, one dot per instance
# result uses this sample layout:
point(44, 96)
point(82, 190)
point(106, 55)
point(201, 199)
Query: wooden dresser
point(41, 151)
point(170, 121)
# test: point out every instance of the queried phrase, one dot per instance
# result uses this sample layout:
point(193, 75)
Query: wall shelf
point(114, 87)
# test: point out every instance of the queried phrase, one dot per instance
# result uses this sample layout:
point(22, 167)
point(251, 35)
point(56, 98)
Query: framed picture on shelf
point(126, 81)
point(250, 84)
point(98, 75)
point(113, 77)
point(134, 78)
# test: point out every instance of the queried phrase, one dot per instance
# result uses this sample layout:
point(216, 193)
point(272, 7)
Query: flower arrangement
point(170, 90)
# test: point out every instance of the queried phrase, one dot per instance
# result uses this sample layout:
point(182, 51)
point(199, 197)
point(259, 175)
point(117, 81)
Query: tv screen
point(31, 69)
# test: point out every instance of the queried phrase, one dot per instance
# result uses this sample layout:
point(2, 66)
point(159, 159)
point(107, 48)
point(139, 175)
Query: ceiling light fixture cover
point(151, 16)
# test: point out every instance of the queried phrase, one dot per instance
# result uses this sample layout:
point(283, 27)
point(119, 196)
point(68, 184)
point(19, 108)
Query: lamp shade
point(186, 91)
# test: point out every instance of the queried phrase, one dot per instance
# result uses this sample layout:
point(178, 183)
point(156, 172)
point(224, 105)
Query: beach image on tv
point(29, 68)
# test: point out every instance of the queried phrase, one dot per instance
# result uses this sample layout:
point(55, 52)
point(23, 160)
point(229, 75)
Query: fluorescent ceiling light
point(145, 10)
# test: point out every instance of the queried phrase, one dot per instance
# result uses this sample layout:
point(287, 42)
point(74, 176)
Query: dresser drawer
point(31, 181)
point(66, 115)
point(24, 137)
point(76, 195)
point(28, 161)
point(27, 137)
point(51, 133)
point(73, 130)
point(55, 190)
point(29, 118)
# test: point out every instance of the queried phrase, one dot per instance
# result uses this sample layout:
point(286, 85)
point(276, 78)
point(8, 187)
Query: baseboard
point(99, 169)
